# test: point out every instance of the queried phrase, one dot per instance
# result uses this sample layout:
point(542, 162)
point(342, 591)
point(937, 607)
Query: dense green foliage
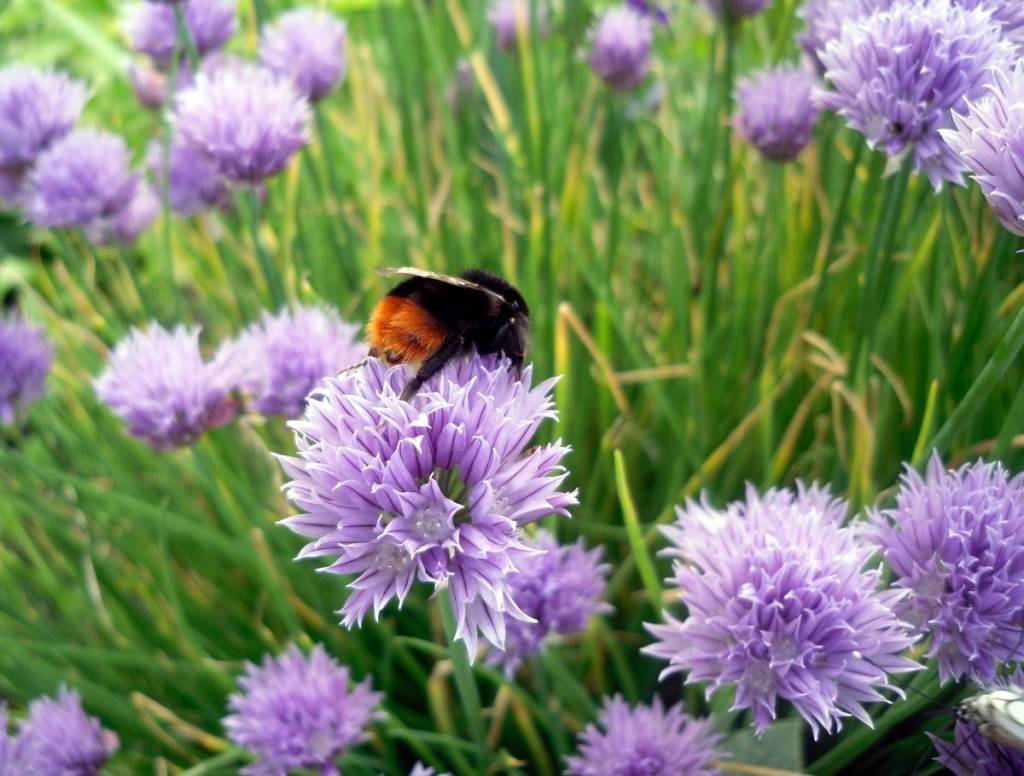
point(716, 320)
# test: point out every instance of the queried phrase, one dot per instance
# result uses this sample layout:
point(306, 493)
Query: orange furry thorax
point(402, 332)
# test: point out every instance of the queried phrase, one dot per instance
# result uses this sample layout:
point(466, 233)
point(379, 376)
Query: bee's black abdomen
point(448, 304)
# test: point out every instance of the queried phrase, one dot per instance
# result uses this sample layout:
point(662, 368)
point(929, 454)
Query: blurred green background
point(717, 319)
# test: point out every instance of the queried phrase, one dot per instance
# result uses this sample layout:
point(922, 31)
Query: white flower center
point(503, 506)
point(784, 649)
point(930, 585)
point(760, 677)
point(392, 558)
point(430, 525)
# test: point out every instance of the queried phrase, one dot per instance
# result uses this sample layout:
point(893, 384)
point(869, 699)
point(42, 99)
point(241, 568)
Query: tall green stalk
point(465, 683)
point(275, 286)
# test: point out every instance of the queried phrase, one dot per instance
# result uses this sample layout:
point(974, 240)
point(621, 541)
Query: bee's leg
point(353, 367)
point(517, 365)
point(432, 365)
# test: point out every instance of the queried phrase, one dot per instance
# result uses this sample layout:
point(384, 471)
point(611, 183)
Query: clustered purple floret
point(824, 19)
point(246, 120)
point(283, 357)
point(507, 15)
point(989, 139)
point(645, 741)
point(1009, 15)
point(438, 488)
point(56, 738)
point(621, 49)
point(462, 88)
point(560, 588)
point(163, 389)
point(897, 76)
point(776, 112)
point(128, 223)
point(150, 84)
point(7, 763)
point(153, 28)
point(194, 183)
point(306, 45)
point(84, 179)
point(972, 754)
point(37, 107)
point(780, 605)
point(649, 8)
point(299, 711)
point(955, 543)
point(25, 359)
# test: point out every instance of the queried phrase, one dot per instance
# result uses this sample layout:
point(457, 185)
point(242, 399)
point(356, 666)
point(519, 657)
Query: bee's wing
point(413, 272)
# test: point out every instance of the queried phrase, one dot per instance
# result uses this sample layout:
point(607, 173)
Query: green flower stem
point(183, 37)
point(882, 243)
point(465, 683)
point(1003, 357)
point(275, 286)
point(165, 183)
point(864, 737)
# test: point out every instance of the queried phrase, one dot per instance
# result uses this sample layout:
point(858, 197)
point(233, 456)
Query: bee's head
point(510, 331)
point(515, 327)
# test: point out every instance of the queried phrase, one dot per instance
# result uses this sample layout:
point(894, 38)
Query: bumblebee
point(429, 319)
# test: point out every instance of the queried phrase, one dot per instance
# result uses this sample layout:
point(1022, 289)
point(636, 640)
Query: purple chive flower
point(37, 107)
point(560, 588)
point(736, 9)
point(10, 188)
point(58, 737)
point(288, 354)
point(245, 119)
point(8, 761)
point(1008, 15)
point(955, 542)
point(462, 88)
point(645, 741)
point(824, 19)
point(989, 139)
point(150, 85)
point(153, 27)
point(621, 49)
point(129, 222)
point(899, 74)
point(507, 16)
point(158, 383)
point(649, 8)
point(437, 488)
point(83, 177)
point(299, 711)
point(194, 185)
point(25, 359)
point(779, 604)
point(972, 754)
point(306, 45)
point(776, 113)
